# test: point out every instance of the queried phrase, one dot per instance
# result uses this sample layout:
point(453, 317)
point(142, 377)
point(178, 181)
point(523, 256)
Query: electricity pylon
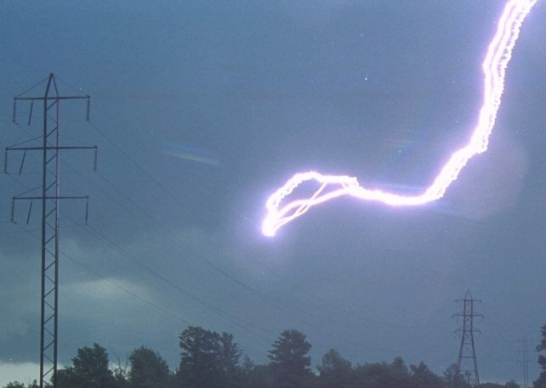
point(467, 365)
point(525, 362)
point(50, 198)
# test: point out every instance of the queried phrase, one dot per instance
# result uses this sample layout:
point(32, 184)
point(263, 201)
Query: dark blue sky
point(382, 90)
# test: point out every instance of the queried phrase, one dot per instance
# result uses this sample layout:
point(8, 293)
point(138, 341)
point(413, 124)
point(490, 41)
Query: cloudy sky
point(200, 109)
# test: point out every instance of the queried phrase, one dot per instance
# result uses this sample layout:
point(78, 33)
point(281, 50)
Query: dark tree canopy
point(422, 377)
point(453, 379)
point(213, 360)
point(335, 371)
point(541, 381)
point(17, 384)
point(89, 370)
point(208, 359)
point(382, 374)
point(290, 364)
point(148, 369)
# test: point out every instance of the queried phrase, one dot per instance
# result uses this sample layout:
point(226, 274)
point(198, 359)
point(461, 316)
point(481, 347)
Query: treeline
point(213, 360)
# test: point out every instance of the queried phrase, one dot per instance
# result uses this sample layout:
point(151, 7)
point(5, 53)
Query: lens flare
point(280, 210)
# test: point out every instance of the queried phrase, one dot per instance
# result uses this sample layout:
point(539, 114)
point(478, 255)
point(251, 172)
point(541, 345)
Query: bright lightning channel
point(280, 211)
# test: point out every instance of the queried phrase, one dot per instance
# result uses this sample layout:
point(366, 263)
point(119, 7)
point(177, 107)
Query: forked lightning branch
point(281, 209)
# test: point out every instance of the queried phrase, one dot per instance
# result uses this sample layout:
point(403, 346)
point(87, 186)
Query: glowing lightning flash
point(330, 187)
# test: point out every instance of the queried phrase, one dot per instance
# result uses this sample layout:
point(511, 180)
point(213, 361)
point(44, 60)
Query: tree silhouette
point(89, 370)
point(209, 360)
point(289, 360)
point(541, 381)
point(148, 369)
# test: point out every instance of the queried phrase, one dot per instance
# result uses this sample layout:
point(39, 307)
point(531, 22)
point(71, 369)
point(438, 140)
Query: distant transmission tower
point(50, 198)
point(467, 366)
point(525, 362)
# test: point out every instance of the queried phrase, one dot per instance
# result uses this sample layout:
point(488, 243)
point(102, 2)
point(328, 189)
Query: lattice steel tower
point(50, 198)
point(467, 365)
point(525, 362)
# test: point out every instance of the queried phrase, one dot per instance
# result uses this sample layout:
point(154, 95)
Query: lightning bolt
point(280, 211)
